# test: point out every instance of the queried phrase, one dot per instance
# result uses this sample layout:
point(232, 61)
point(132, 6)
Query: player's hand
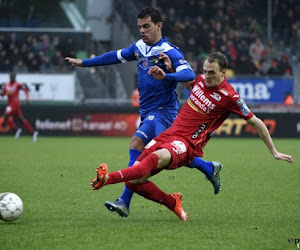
point(167, 62)
point(284, 157)
point(157, 73)
point(74, 61)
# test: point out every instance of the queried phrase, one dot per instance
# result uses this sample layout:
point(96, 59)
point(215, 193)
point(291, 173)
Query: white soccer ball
point(11, 206)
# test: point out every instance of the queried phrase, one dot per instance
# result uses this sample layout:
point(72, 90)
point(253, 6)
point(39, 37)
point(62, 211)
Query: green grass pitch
point(258, 207)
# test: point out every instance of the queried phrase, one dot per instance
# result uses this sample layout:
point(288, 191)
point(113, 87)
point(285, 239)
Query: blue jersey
point(158, 98)
point(155, 94)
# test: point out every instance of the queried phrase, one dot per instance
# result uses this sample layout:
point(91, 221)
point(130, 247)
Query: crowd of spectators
point(39, 53)
point(237, 28)
point(286, 26)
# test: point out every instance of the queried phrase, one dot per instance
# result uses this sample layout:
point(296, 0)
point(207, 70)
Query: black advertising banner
point(278, 124)
point(123, 121)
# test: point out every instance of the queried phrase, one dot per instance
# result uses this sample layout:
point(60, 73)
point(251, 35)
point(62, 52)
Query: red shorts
point(14, 110)
point(181, 151)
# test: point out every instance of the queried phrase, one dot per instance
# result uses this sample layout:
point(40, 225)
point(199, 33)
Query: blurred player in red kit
point(13, 109)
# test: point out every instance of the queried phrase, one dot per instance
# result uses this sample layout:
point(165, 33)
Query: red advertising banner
point(105, 124)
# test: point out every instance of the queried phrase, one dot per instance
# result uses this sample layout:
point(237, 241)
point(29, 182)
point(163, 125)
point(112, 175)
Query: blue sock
point(205, 167)
point(127, 193)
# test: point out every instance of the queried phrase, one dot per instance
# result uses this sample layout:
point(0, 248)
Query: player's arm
point(105, 59)
point(112, 57)
point(180, 70)
point(264, 134)
point(26, 90)
point(3, 90)
point(157, 73)
point(186, 74)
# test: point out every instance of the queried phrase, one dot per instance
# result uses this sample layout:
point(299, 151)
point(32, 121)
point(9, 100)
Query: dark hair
point(220, 57)
point(153, 13)
point(12, 76)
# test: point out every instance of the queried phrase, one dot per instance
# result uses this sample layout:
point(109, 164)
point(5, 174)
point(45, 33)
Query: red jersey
point(205, 111)
point(11, 89)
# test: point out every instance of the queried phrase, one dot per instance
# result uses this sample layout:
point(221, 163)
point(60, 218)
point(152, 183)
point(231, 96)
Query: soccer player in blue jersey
point(158, 98)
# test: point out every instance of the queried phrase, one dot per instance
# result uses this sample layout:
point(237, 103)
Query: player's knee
point(130, 185)
point(138, 181)
point(164, 157)
point(137, 143)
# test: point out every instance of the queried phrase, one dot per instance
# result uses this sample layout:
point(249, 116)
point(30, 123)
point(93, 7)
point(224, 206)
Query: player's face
point(150, 32)
point(213, 75)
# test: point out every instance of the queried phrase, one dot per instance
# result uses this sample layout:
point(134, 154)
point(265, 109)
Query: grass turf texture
point(258, 207)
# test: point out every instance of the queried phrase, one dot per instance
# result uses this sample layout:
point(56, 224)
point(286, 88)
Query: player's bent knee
point(137, 143)
point(138, 181)
point(164, 157)
point(142, 179)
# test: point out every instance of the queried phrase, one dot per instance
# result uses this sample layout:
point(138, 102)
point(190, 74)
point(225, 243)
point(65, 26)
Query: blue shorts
point(154, 123)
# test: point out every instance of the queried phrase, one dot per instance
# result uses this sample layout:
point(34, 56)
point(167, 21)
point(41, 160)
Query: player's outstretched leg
point(211, 169)
point(152, 192)
point(178, 209)
point(27, 126)
point(118, 206)
point(12, 124)
point(122, 204)
point(102, 175)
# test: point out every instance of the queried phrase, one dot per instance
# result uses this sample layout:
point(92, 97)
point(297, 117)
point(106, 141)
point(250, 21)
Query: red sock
point(28, 126)
point(11, 123)
point(134, 172)
point(151, 192)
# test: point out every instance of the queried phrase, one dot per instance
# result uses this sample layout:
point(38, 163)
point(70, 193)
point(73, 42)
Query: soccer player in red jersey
point(211, 101)
point(13, 109)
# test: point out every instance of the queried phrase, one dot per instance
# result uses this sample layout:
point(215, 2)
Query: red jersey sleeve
point(238, 106)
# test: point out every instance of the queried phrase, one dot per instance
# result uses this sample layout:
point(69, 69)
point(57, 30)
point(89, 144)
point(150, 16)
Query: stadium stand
point(238, 28)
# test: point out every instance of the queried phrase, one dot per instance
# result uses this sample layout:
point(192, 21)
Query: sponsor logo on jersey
point(142, 133)
point(145, 62)
point(183, 61)
point(178, 147)
point(199, 131)
point(10, 89)
point(200, 100)
point(216, 96)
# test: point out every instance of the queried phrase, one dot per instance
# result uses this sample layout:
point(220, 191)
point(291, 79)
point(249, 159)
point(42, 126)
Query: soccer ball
point(11, 206)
